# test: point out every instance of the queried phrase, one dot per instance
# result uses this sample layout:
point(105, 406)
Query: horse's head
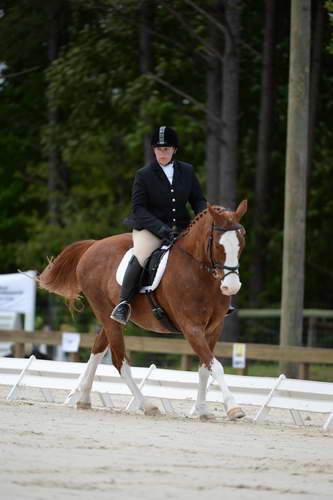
point(227, 240)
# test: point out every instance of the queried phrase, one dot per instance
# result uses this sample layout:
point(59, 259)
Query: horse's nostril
point(225, 288)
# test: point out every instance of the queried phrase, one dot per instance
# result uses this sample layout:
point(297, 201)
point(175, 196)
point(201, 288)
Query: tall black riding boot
point(130, 287)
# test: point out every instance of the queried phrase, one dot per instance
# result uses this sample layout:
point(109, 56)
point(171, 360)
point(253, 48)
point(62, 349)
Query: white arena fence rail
point(296, 396)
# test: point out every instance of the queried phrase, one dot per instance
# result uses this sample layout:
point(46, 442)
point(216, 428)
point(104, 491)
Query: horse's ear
point(211, 209)
point(241, 209)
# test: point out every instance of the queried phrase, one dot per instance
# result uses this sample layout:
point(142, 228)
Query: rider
point(159, 195)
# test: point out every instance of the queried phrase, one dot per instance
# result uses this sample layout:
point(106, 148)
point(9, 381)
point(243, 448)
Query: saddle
point(150, 278)
point(153, 270)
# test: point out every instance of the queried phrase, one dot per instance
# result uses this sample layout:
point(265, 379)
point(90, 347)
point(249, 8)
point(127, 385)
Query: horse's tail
point(60, 274)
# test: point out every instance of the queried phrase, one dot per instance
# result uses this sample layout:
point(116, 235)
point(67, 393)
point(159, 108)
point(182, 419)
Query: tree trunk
point(57, 185)
point(213, 107)
point(229, 131)
point(315, 77)
point(230, 105)
point(146, 60)
point(291, 328)
point(257, 270)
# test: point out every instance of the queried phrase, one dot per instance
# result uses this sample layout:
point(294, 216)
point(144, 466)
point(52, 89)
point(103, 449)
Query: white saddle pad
point(158, 276)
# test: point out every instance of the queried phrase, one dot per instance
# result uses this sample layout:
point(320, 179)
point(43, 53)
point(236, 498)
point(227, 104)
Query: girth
point(160, 314)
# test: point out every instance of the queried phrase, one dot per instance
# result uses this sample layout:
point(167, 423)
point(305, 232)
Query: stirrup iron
point(122, 312)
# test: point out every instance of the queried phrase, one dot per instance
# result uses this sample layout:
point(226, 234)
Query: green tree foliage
point(105, 106)
point(22, 95)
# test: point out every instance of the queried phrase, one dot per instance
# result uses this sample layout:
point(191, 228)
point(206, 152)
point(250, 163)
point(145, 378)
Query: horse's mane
point(198, 217)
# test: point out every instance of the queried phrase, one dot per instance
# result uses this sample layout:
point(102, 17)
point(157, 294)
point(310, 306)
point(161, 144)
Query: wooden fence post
point(304, 371)
point(185, 362)
point(19, 350)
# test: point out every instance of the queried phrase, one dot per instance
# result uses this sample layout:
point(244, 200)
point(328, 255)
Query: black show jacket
point(158, 205)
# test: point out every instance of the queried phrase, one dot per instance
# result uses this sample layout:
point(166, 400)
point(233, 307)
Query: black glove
point(163, 232)
point(173, 235)
point(167, 234)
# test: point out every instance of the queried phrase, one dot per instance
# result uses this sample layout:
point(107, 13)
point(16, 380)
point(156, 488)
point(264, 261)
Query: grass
point(323, 373)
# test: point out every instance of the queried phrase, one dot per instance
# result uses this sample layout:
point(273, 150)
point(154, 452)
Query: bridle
point(215, 266)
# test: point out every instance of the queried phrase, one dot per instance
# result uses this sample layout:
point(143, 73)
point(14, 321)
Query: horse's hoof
point(208, 417)
point(235, 413)
point(152, 412)
point(83, 406)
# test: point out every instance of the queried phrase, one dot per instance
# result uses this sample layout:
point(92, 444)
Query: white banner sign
point(239, 356)
point(18, 292)
point(70, 342)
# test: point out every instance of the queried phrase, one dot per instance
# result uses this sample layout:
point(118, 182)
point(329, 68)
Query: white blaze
point(230, 285)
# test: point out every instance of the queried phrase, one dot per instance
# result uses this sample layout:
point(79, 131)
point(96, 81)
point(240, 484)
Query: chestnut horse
point(201, 275)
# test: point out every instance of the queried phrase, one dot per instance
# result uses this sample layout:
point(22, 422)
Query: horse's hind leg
point(80, 395)
point(117, 345)
point(142, 403)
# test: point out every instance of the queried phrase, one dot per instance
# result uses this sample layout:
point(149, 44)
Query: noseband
point(215, 266)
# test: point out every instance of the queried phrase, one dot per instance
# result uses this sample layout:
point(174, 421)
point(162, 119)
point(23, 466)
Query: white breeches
point(144, 243)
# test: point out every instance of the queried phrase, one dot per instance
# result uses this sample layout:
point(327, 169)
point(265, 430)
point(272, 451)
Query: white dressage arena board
point(296, 396)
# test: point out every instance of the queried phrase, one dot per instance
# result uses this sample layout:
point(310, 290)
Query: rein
point(213, 268)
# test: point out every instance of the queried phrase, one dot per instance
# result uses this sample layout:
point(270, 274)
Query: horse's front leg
point(202, 348)
point(80, 395)
point(200, 407)
point(232, 409)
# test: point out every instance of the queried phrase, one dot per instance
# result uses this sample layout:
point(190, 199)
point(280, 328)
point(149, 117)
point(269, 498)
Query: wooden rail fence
point(305, 356)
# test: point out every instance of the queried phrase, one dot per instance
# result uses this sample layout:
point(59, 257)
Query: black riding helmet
point(164, 137)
